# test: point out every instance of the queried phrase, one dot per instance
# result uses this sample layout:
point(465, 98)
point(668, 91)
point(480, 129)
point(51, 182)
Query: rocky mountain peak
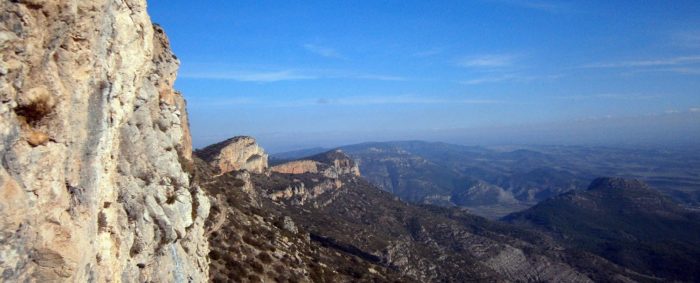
point(237, 153)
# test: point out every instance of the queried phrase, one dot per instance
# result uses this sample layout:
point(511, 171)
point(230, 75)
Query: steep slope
point(425, 243)
point(93, 141)
point(250, 243)
point(626, 222)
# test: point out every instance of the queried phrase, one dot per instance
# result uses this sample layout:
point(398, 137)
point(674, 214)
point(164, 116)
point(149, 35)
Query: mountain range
point(495, 181)
point(340, 219)
point(99, 182)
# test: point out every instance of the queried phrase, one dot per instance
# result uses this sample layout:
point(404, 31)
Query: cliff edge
point(93, 142)
point(236, 153)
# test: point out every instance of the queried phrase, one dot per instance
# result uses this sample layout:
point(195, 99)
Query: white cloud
point(429, 52)
point(675, 61)
point(487, 61)
point(483, 80)
point(679, 70)
point(614, 96)
point(686, 39)
point(546, 6)
point(323, 51)
point(508, 78)
point(252, 76)
point(344, 101)
point(405, 99)
point(378, 77)
point(268, 76)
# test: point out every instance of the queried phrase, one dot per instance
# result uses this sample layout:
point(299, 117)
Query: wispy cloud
point(676, 70)
point(541, 5)
point(487, 61)
point(198, 101)
point(269, 76)
point(615, 96)
point(686, 39)
point(483, 80)
point(402, 99)
point(687, 71)
point(323, 51)
point(398, 99)
point(252, 76)
point(508, 78)
point(378, 77)
point(429, 53)
point(673, 61)
point(342, 101)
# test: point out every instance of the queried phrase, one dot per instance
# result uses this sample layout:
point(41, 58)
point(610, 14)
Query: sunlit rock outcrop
point(331, 164)
point(94, 146)
point(296, 167)
point(237, 153)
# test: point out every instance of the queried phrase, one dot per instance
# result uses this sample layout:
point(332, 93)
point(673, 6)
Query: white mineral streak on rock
point(92, 136)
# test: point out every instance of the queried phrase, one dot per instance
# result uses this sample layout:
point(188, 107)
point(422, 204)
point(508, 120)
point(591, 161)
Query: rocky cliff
point(425, 244)
point(317, 175)
point(316, 220)
point(250, 243)
point(296, 167)
point(331, 164)
point(93, 142)
point(237, 153)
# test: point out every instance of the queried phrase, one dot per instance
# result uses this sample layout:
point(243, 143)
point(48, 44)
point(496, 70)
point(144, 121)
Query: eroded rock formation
point(296, 167)
point(93, 142)
point(318, 175)
point(237, 153)
point(331, 164)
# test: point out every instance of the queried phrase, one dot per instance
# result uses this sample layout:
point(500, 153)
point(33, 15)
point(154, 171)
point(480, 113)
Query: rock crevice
point(93, 142)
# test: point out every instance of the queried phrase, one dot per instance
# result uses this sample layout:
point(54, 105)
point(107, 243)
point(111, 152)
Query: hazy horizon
point(478, 73)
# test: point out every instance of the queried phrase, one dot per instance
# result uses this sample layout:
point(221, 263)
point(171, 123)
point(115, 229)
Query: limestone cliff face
point(331, 164)
point(296, 167)
point(321, 175)
point(339, 164)
point(93, 142)
point(237, 153)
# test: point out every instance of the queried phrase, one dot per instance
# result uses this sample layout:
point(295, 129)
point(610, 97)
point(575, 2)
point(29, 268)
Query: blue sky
point(322, 73)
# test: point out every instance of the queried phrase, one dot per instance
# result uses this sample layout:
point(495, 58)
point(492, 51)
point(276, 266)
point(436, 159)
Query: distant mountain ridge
point(626, 222)
point(343, 212)
point(495, 181)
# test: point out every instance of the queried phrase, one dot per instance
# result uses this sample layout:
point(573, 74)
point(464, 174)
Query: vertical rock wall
point(237, 153)
point(94, 148)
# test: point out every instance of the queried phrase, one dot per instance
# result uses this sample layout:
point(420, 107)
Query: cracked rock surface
point(237, 153)
point(94, 148)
